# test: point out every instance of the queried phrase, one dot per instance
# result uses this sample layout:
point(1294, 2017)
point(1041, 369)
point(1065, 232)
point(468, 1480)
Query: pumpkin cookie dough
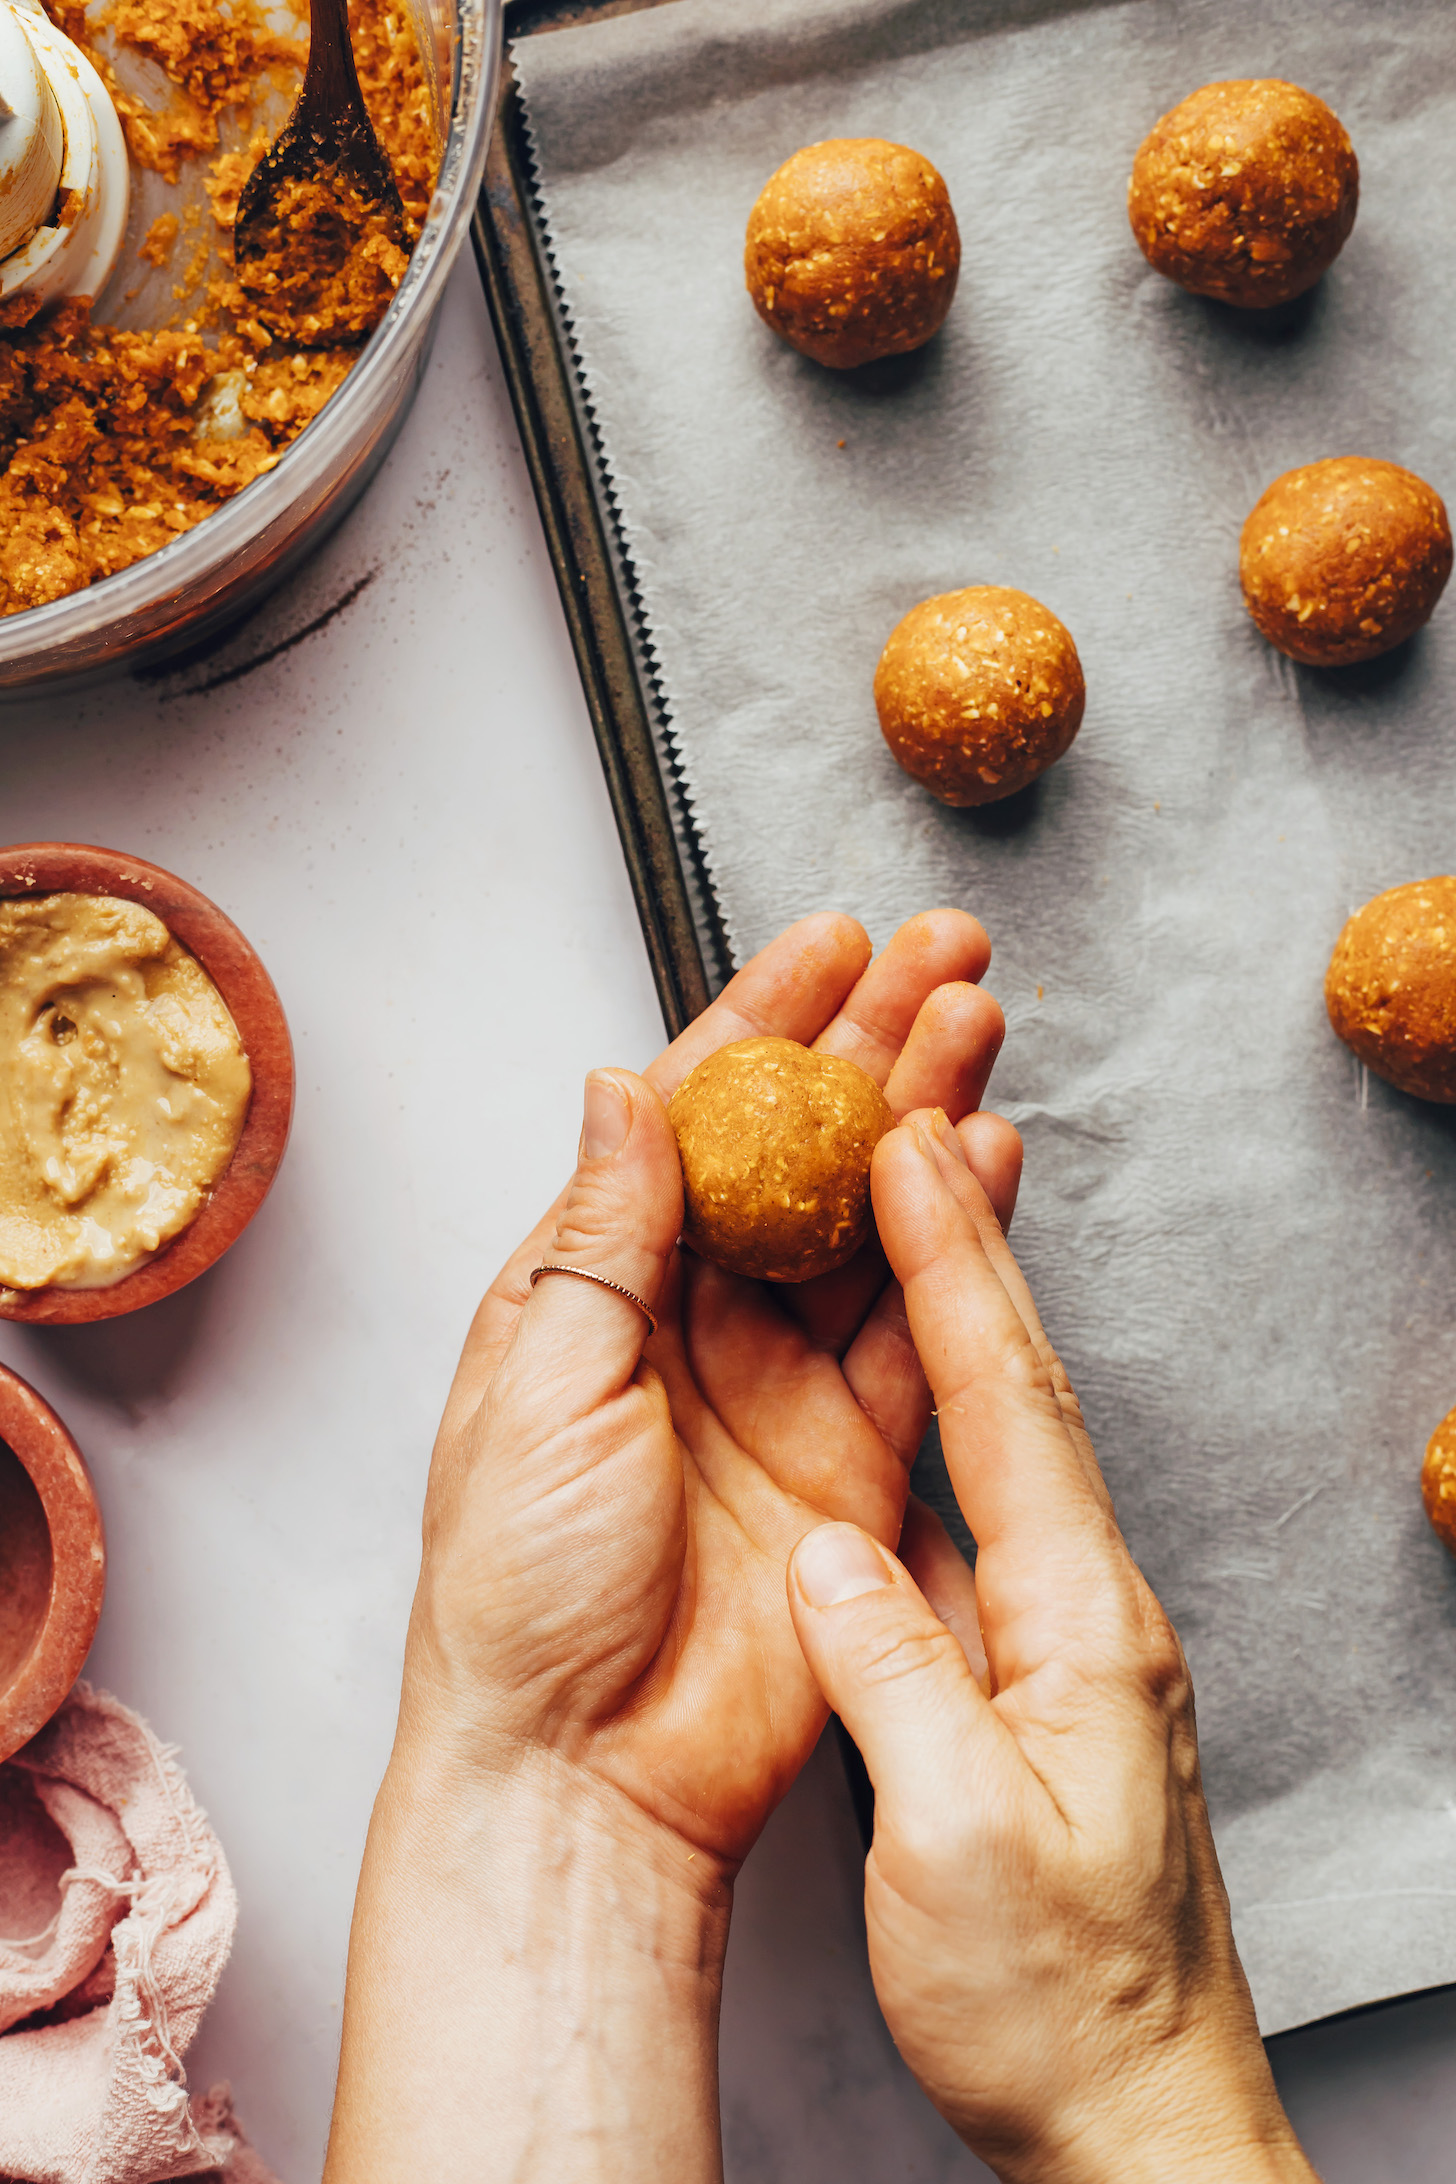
point(1343, 559)
point(1438, 1481)
point(853, 251)
point(1245, 192)
point(775, 1142)
point(125, 1089)
point(1391, 987)
point(978, 692)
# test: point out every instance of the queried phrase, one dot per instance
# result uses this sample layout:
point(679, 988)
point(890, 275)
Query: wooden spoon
point(320, 240)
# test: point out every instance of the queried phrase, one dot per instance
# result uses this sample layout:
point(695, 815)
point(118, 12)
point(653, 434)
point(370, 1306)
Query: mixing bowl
point(209, 576)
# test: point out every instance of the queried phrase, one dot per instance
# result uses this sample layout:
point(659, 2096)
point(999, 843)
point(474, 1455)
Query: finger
point(1026, 1484)
point(993, 1151)
point(946, 1579)
point(875, 1020)
point(488, 1336)
point(577, 1338)
point(949, 1052)
point(790, 990)
point(895, 1675)
point(883, 1373)
point(949, 1149)
point(834, 1310)
point(745, 1382)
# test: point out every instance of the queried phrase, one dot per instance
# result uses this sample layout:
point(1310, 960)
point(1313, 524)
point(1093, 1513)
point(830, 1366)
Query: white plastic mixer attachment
point(64, 181)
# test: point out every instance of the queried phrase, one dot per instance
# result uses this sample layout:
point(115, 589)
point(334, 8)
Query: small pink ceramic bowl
point(52, 1563)
point(48, 868)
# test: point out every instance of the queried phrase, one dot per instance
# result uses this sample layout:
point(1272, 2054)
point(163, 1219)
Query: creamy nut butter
point(123, 1089)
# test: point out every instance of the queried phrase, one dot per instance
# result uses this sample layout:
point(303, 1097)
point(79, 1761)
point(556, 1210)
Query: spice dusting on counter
point(115, 440)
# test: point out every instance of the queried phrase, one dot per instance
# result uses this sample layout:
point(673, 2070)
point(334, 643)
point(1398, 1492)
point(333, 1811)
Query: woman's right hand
point(1048, 1930)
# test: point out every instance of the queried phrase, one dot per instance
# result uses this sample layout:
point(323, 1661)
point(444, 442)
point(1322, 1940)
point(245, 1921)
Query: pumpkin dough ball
point(1344, 559)
point(775, 1143)
point(1438, 1481)
point(978, 692)
point(853, 251)
point(1245, 192)
point(1391, 987)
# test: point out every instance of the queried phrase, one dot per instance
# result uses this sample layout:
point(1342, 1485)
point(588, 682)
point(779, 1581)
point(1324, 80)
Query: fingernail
point(605, 1117)
point(945, 1130)
point(838, 1562)
point(927, 1145)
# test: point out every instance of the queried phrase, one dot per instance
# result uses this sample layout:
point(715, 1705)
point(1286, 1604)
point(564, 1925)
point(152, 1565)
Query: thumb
point(582, 1332)
point(895, 1674)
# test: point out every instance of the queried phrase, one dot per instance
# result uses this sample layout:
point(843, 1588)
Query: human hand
point(603, 1692)
point(607, 1528)
point(1048, 1930)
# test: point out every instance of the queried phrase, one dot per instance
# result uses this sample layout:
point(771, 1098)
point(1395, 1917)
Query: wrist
point(530, 1947)
point(1202, 2113)
point(550, 1847)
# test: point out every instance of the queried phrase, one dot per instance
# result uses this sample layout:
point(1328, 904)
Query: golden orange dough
point(775, 1143)
point(1245, 192)
point(1344, 559)
point(853, 251)
point(1391, 987)
point(1438, 1481)
point(978, 692)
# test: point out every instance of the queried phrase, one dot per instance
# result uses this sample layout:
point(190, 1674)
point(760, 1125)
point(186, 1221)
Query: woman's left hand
point(610, 1517)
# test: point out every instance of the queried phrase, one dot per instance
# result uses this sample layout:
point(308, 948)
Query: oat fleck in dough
point(1391, 987)
point(124, 1091)
point(1438, 1481)
point(978, 692)
point(1344, 559)
point(775, 1142)
point(853, 251)
point(1246, 192)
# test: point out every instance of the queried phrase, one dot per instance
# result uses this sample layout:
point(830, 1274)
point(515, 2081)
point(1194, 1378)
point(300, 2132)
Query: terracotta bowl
point(52, 1563)
point(48, 868)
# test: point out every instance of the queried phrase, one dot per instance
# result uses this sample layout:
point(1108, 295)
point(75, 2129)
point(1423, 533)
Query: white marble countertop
point(404, 811)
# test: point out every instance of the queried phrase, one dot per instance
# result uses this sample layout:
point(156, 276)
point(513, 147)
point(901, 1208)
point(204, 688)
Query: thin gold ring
point(585, 1274)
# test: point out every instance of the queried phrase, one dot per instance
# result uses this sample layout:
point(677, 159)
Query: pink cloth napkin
point(116, 1917)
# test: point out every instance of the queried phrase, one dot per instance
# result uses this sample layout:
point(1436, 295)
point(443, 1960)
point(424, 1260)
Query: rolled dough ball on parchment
point(978, 692)
point(1438, 1481)
point(775, 1142)
point(1344, 559)
point(853, 251)
point(1245, 192)
point(1391, 987)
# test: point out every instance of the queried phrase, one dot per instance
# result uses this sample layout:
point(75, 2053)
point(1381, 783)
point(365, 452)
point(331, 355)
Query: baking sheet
point(1242, 1246)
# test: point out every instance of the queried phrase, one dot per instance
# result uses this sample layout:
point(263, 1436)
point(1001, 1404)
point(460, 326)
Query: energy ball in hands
point(852, 251)
point(775, 1142)
point(978, 692)
point(1391, 987)
point(1344, 559)
point(1246, 192)
point(1438, 1481)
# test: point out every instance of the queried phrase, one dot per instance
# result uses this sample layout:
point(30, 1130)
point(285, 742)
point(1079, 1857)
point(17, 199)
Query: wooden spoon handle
point(331, 81)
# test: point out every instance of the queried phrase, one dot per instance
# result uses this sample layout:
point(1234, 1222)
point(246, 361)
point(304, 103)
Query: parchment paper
point(1243, 1248)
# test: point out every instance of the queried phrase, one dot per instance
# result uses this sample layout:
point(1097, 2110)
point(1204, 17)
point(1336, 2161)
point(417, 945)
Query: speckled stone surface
point(52, 1562)
point(42, 868)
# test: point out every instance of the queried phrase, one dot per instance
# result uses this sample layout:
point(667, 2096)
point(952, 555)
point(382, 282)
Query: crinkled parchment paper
point(1245, 1251)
